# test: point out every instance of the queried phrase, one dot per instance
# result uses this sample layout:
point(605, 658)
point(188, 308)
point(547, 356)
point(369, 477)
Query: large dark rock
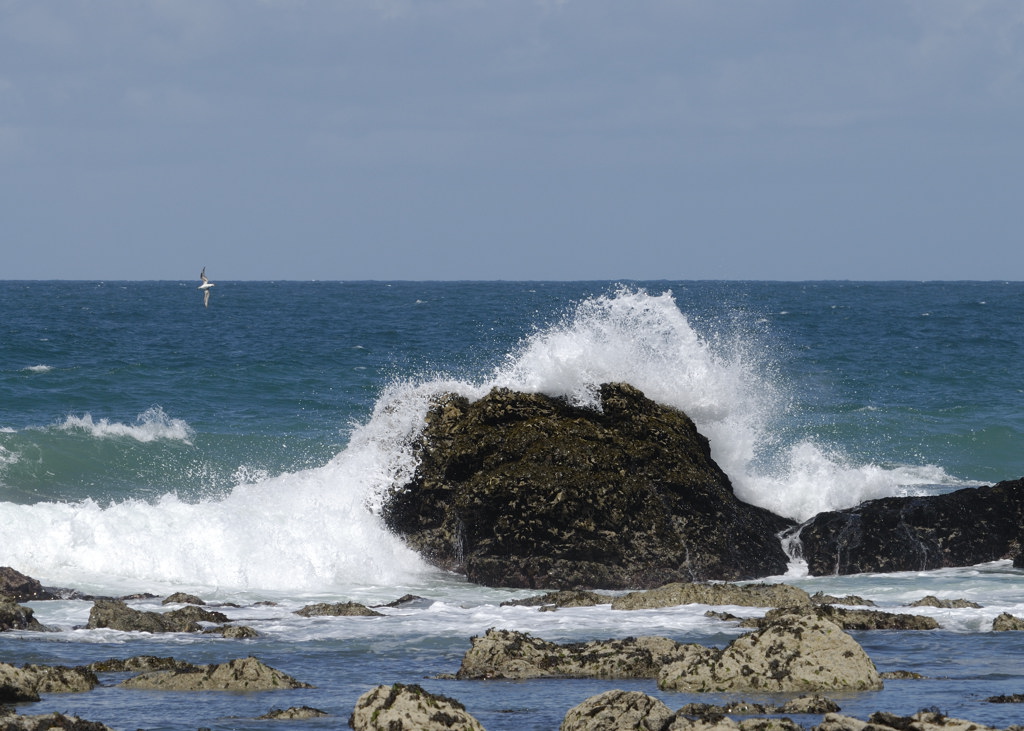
point(961, 528)
point(21, 588)
point(526, 490)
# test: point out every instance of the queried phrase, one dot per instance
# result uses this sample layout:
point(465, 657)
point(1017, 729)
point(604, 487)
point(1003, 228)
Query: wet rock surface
point(525, 490)
point(509, 654)
point(18, 587)
point(618, 710)
point(14, 616)
point(960, 528)
point(338, 609)
point(116, 614)
point(795, 653)
point(409, 708)
point(750, 595)
point(849, 619)
point(243, 674)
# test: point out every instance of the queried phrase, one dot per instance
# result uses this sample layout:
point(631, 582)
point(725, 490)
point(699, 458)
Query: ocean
point(240, 452)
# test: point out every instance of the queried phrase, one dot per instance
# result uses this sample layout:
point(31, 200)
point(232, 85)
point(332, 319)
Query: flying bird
point(205, 286)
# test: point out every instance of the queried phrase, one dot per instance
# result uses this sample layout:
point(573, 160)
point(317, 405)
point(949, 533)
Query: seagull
point(205, 286)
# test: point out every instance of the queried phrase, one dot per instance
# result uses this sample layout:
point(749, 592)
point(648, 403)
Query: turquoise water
point(239, 452)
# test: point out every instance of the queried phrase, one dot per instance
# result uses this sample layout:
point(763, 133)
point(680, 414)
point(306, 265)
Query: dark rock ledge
point(525, 490)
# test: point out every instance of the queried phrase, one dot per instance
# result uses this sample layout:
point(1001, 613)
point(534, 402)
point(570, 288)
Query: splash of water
point(319, 528)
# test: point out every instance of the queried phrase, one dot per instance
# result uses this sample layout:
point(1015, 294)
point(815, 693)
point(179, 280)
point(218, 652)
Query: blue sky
point(512, 139)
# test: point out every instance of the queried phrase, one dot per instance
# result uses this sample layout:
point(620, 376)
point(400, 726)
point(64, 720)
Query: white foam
point(149, 426)
point(41, 368)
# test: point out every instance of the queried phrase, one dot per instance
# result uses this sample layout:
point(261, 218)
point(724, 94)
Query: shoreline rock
point(750, 595)
point(962, 528)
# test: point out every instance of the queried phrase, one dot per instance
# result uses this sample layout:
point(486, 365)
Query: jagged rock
point(793, 654)
point(850, 619)
point(526, 490)
point(882, 721)
point(16, 684)
point(295, 713)
point(618, 710)
point(48, 722)
point(233, 632)
point(405, 600)
point(848, 600)
point(961, 528)
point(517, 655)
point(183, 598)
point(1006, 622)
point(340, 609)
point(242, 674)
point(27, 682)
point(901, 675)
point(115, 614)
point(409, 708)
point(563, 598)
point(15, 616)
point(21, 588)
point(139, 664)
point(751, 595)
point(934, 601)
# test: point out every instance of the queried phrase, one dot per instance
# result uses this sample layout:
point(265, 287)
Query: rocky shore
point(798, 647)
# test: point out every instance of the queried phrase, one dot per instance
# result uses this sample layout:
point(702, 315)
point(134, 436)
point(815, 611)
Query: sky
point(512, 139)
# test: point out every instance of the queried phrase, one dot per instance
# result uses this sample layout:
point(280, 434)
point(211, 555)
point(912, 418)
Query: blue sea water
point(240, 451)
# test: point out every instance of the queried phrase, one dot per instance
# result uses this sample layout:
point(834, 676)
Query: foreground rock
point(409, 708)
point(921, 721)
point(793, 654)
point(26, 683)
point(618, 710)
point(245, 674)
point(525, 490)
point(115, 614)
point(1006, 622)
point(517, 655)
point(961, 528)
point(48, 721)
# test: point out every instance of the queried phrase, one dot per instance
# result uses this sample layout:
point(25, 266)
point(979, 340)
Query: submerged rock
point(882, 721)
point(961, 528)
point(115, 614)
point(49, 721)
point(295, 713)
point(244, 674)
point(563, 598)
point(934, 601)
point(409, 708)
point(751, 595)
point(850, 619)
point(1006, 622)
point(339, 609)
point(516, 655)
point(526, 490)
point(618, 710)
point(792, 654)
